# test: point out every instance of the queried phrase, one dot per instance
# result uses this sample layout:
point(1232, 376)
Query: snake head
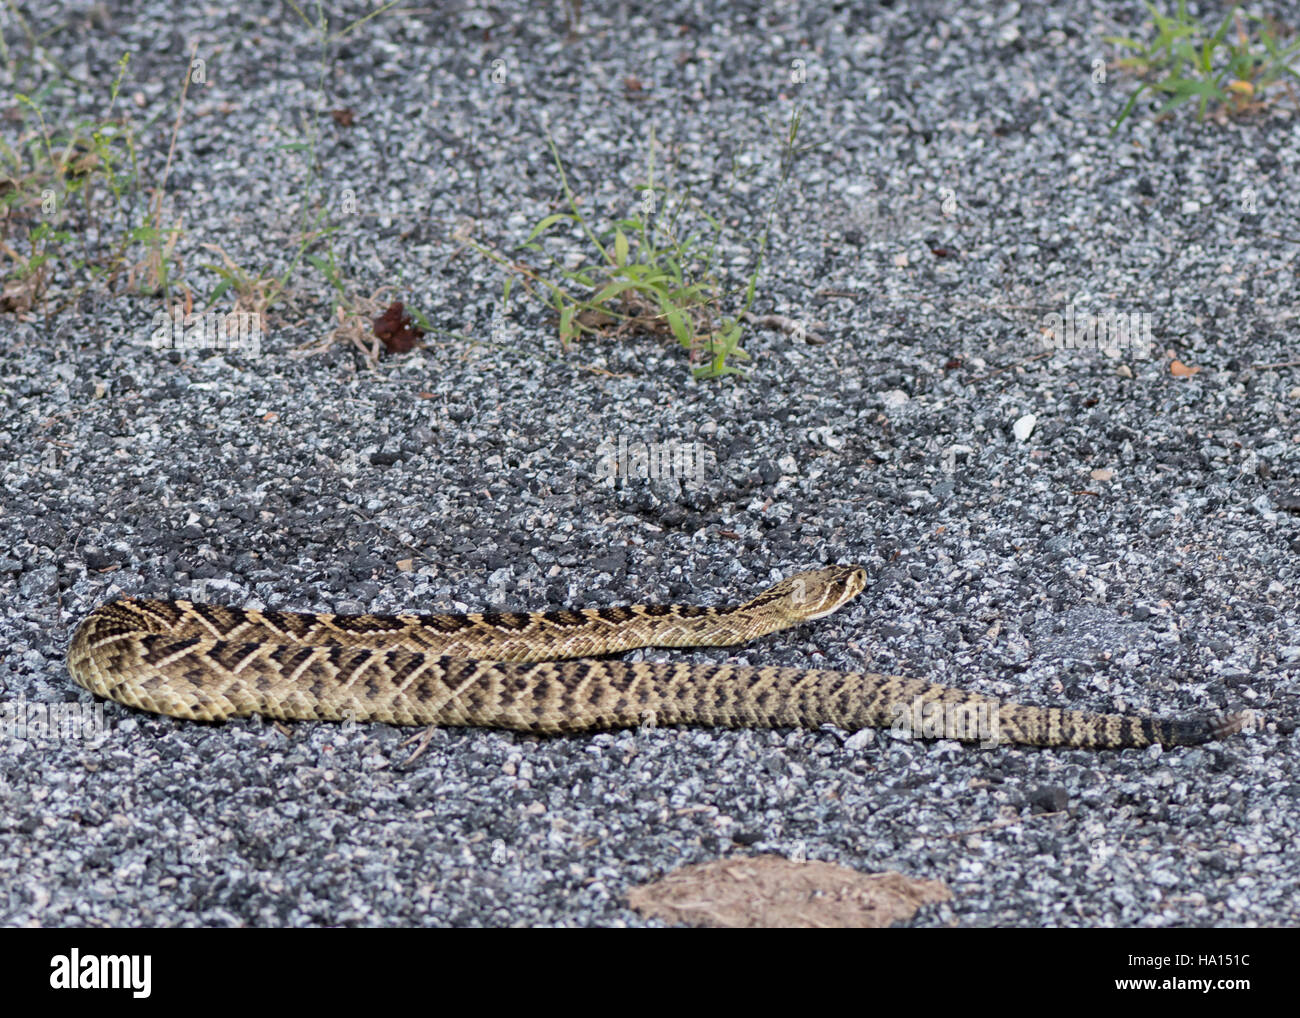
point(818, 592)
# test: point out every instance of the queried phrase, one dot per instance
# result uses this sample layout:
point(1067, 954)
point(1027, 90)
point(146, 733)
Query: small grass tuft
point(1189, 62)
point(69, 201)
point(655, 272)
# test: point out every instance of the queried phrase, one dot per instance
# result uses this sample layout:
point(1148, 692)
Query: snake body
point(533, 672)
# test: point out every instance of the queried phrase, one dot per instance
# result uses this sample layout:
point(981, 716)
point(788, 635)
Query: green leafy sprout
point(655, 271)
point(1186, 61)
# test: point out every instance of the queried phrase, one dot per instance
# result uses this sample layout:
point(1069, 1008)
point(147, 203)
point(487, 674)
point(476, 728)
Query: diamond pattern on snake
point(544, 672)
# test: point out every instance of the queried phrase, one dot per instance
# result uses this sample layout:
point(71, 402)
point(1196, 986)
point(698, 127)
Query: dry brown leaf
point(1180, 370)
point(20, 294)
point(397, 329)
point(594, 319)
point(770, 891)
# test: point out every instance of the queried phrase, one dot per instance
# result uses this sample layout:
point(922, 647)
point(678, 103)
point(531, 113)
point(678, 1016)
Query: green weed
point(653, 272)
point(1188, 62)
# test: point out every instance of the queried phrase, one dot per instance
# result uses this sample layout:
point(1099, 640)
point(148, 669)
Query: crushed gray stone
point(1136, 551)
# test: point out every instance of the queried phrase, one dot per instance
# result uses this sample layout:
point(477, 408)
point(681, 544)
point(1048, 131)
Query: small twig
point(1027, 360)
point(176, 127)
point(1005, 822)
point(424, 738)
point(1279, 364)
point(789, 326)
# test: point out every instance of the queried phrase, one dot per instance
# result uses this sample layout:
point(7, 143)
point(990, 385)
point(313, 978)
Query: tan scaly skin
point(507, 670)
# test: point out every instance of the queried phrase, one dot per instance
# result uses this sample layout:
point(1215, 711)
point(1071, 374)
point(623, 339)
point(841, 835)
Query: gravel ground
point(1136, 550)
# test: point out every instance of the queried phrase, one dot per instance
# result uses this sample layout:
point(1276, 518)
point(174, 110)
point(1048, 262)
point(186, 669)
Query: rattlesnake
point(208, 662)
